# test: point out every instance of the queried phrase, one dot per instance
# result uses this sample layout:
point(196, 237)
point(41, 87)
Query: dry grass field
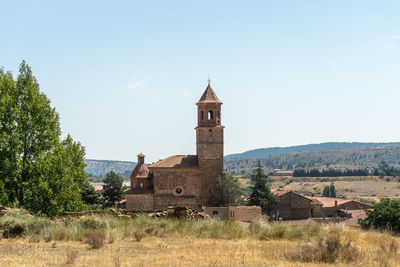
point(144, 241)
point(370, 188)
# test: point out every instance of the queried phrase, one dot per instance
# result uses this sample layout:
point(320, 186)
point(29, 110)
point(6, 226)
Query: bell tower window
point(210, 115)
point(202, 115)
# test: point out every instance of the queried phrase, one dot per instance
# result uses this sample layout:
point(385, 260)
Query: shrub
point(385, 215)
point(95, 239)
point(91, 222)
point(326, 249)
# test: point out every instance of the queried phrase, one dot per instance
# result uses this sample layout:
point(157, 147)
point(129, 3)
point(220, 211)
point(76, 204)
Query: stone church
point(183, 180)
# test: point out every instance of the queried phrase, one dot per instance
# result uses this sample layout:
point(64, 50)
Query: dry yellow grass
point(371, 249)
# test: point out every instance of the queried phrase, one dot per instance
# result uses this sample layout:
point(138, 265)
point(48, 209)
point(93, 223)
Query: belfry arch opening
point(210, 115)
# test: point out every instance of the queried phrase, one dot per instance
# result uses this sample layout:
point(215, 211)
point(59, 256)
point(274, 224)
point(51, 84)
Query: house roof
point(279, 192)
point(177, 161)
point(209, 96)
point(330, 201)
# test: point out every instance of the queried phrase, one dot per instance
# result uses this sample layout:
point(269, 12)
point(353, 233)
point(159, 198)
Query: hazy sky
point(125, 75)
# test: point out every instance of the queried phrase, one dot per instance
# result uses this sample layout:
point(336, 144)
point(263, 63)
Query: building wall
point(217, 212)
point(139, 202)
point(210, 152)
point(245, 215)
point(293, 206)
point(168, 180)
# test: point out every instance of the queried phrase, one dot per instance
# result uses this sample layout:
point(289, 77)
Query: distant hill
point(102, 167)
point(276, 151)
point(341, 159)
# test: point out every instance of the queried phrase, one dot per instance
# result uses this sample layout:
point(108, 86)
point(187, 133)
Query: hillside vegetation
point(346, 158)
point(276, 151)
point(100, 168)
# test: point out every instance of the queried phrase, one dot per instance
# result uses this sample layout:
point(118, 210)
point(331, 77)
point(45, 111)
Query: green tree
point(329, 191)
point(39, 171)
point(227, 191)
point(332, 190)
point(90, 196)
point(384, 215)
point(113, 188)
point(260, 192)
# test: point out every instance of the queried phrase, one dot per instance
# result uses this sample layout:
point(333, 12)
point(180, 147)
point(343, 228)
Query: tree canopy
point(329, 191)
point(113, 188)
point(384, 215)
point(260, 192)
point(227, 191)
point(38, 170)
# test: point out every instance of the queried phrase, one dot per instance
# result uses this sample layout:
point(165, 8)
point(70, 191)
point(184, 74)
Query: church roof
point(209, 96)
point(140, 171)
point(178, 161)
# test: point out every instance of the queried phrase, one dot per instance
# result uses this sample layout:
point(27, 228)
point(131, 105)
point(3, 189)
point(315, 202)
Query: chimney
point(335, 203)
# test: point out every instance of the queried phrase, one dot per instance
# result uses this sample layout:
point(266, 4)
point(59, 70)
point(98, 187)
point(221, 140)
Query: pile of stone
point(180, 213)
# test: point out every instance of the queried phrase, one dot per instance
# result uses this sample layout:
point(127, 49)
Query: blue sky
point(125, 75)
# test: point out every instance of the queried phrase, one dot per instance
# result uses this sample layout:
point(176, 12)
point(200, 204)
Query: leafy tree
point(90, 196)
point(385, 215)
point(113, 188)
point(37, 170)
point(261, 194)
point(227, 191)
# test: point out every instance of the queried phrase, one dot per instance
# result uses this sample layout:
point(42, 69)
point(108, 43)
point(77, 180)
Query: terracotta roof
point(140, 171)
point(178, 161)
point(209, 96)
point(330, 201)
point(279, 192)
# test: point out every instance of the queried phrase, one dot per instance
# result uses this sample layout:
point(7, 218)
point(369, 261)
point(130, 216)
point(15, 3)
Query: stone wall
point(177, 187)
point(293, 206)
point(139, 202)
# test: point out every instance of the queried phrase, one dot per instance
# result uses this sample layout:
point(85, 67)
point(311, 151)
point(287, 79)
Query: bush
point(326, 249)
point(95, 239)
point(385, 216)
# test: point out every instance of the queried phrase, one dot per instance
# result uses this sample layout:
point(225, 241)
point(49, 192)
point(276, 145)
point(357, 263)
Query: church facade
point(183, 180)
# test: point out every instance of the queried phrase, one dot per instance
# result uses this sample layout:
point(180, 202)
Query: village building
point(183, 180)
point(293, 206)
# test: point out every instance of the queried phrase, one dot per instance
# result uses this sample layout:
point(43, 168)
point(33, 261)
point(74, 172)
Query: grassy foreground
point(143, 241)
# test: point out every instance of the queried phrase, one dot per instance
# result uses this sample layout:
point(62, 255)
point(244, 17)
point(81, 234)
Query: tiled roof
point(279, 192)
point(209, 96)
point(140, 171)
point(330, 201)
point(178, 161)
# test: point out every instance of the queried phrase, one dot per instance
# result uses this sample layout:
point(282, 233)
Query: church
point(183, 180)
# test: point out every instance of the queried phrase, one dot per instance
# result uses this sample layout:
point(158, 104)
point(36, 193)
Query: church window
point(210, 115)
point(178, 191)
point(141, 185)
point(202, 115)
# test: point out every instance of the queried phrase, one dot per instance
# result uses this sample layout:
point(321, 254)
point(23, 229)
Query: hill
point(99, 168)
point(276, 151)
point(342, 159)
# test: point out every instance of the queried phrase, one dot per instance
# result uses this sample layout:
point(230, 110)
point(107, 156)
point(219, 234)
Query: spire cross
point(209, 81)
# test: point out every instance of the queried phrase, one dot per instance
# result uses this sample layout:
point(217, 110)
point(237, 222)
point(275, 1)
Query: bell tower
point(209, 141)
